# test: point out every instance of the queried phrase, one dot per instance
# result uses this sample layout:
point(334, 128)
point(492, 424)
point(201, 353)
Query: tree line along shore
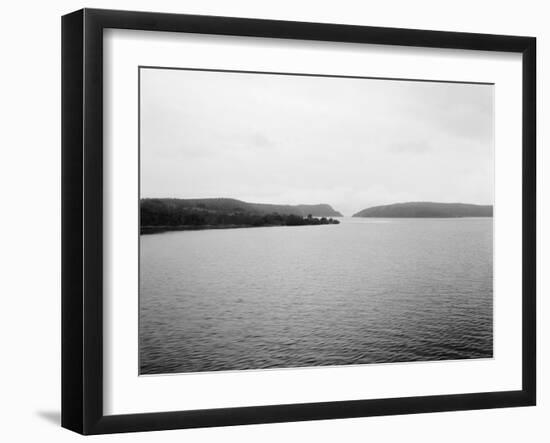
point(159, 215)
point(166, 214)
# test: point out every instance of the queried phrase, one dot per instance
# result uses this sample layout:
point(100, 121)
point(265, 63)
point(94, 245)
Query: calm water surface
point(364, 291)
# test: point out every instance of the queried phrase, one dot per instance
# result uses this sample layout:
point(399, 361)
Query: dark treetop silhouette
point(427, 210)
point(157, 215)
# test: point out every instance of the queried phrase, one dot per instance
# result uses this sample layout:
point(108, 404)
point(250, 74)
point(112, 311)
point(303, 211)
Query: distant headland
point(427, 210)
point(169, 214)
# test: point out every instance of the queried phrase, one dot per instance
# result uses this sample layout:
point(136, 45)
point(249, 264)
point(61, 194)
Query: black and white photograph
point(290, 217)
point(299, 220)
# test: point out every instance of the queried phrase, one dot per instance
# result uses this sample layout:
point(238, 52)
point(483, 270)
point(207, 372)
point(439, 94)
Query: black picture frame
point(82, 220)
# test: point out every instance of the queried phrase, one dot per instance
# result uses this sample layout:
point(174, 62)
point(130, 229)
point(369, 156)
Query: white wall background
point(30, 218)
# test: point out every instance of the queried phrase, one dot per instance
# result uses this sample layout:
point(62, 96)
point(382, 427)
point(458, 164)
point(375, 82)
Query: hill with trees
point(427, 210)
point(161, 214)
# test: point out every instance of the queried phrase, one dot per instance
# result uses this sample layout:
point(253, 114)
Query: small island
point(427, 210)
point(159, 215)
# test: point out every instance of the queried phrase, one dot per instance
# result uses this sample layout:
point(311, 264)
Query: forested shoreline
point(159, 215)
point(427, 210)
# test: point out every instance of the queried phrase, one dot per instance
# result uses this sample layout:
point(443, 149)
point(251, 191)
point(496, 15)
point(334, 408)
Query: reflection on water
point(364, 291)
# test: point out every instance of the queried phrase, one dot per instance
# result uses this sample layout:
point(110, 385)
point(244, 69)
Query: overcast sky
point(351, 143)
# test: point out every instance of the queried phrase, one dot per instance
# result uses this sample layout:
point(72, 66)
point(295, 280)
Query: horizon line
point(321, 203)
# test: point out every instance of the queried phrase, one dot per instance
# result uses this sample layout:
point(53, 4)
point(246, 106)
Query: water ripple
point(354, 293)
